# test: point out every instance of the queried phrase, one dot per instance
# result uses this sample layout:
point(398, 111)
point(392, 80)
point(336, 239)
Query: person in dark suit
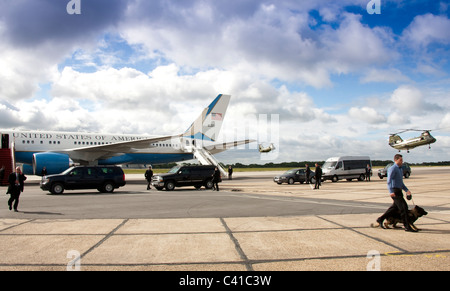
point(16, 185)
point(368, 172)
point(318, 176)
point(216, 179)
point(148, 177)
point(307, 173)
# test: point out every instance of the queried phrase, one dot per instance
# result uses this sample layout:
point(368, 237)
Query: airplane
point(57, 151)
point(396, 142)
point(268, 149)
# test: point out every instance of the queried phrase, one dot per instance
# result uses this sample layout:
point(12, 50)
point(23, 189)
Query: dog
point(391, 222)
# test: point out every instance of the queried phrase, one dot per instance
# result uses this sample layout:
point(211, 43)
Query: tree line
point(375, 163)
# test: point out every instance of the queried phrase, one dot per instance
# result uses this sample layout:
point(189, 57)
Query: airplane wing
point(98, 152)
point(218, 148)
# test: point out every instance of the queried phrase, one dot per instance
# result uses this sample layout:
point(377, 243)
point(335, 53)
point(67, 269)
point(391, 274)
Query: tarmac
point(281, 243)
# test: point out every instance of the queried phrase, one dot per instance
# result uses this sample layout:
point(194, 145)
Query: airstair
point(6, 160)
point(206, 158)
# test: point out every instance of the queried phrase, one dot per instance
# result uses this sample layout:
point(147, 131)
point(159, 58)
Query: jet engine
point(54, 163)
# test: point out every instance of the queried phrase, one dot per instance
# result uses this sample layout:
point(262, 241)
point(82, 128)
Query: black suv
point(406, 171)
point(102, 178)
point(180, 176)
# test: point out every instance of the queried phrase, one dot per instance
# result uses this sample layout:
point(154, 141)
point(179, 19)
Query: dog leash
point(412, 200)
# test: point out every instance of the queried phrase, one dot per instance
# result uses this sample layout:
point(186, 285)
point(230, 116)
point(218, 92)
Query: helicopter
point(396, 142)
point(268, 149)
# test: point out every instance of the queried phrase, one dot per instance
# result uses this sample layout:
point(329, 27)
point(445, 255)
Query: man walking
point(148, 177)
point(395, 185)
point(16, 184)
point(216, 179)
point(318, 176)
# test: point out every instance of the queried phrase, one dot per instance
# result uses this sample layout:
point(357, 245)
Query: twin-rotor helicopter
point(396, 142)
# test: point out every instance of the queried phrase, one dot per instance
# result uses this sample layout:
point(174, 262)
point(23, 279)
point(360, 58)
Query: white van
point(350, 167)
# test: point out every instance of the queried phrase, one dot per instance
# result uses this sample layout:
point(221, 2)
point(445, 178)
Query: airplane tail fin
point(207, 126)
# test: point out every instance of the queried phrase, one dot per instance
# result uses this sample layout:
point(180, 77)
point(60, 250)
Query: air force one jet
point(57, 150)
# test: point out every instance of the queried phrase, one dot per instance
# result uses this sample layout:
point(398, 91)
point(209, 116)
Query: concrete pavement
point(307, 242)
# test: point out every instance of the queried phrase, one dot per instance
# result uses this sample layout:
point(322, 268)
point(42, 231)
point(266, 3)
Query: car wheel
point(209, 184)
point(108, 187)
point(57, 188)
point(406, 175)
point(291, 181)
point(335, 179)
point(361, 177)
point(170, 186)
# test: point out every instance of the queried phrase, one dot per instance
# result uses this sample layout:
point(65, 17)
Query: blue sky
point(340, 79)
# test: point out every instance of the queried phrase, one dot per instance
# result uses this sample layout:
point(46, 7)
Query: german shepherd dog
point(413, 215)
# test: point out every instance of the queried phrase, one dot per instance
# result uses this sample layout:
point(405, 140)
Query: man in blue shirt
point(395, 185)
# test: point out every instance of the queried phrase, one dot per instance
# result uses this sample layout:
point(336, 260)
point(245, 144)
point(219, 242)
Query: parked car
point(294, 175)
point(102, 178)
point(406, 171)
point(181, 176)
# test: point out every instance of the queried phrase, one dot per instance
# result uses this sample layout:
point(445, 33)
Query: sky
point(318, 78)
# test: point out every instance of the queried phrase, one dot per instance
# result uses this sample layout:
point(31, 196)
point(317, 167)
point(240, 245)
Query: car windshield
point(174, 170)
point(329, 165)
point(67, 171)
point(290, 172)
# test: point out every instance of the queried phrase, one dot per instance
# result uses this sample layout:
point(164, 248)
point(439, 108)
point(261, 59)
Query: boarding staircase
point(206, 158)
point(6, 160)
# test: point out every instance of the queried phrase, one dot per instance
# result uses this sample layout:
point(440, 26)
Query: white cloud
point(150, 67)
point(367, 114)
point(384, 76)
point(427, 29)
point(411, 100)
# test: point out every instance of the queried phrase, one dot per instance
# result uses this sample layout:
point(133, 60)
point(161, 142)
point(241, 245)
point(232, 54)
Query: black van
point(102, 178)
point(181, 176)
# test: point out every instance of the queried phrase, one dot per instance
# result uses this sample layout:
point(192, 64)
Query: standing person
point(44, 172)
point(16, 185)
point(216, 179)
point(230, 173)
point(148, 176)
point(307, 173)
point(318, 176)
point(368, 171)
point(395, 186)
